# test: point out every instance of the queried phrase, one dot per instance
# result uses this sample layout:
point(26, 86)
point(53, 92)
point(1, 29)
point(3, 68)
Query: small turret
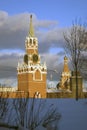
point(65, 77)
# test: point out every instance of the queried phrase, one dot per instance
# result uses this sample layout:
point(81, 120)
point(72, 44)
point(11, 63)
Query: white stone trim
point(8, 89)
point(34, 75)
point(30, 72)
point(66, 74)
point(37, 95)
point(29, 45)
point(24, 66)
point(32, 47)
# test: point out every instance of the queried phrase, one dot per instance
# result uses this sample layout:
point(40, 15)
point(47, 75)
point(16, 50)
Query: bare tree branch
point(76, 47)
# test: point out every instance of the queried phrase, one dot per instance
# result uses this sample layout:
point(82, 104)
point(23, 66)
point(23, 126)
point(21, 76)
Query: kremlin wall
point(32, 76)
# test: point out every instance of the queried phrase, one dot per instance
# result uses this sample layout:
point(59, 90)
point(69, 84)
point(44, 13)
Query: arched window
point(31, 68)
point(34, 41)
point(37, 95)
point(30, 41)
point(38, 75)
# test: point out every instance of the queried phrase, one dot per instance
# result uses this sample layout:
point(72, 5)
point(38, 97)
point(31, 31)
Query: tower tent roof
point(65, 58)
point(66, 68)
point(31, 28)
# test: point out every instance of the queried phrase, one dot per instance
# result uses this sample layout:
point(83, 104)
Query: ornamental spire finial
point(31, 29)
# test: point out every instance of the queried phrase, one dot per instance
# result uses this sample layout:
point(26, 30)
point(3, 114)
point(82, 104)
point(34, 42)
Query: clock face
point(26, 58)
point(35, 57)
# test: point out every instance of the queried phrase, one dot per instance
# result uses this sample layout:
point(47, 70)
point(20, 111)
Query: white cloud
point(3, 17)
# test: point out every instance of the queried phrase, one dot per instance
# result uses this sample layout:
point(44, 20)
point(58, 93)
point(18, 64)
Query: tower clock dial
point(26, 58)
point(35, 57)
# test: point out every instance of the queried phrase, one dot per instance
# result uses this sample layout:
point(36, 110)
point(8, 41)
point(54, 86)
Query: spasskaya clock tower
point(31, 73)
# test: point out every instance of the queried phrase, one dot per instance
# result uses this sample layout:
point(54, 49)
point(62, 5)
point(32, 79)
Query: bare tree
point(4, 106)
point(32, 113)
point(76, 46)
point(6, 111)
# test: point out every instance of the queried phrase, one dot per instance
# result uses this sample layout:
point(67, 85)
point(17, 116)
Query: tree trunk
point(76, 83)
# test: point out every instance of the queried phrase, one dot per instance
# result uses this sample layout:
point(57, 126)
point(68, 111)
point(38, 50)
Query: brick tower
point(31, 73)
point(65, 77)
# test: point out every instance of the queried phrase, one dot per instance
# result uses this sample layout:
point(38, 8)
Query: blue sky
point(62, 10)
point(50, 19)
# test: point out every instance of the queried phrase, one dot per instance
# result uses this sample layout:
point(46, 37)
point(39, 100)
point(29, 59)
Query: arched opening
point(30, 41)
point(34, 41)
point(37, 95)
point(37, 75)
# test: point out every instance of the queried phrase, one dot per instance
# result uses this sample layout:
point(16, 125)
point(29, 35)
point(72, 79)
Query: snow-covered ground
point(74, 114)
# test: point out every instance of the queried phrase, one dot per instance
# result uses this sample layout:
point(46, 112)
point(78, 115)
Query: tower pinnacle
point(31, 29)
point(65, 69)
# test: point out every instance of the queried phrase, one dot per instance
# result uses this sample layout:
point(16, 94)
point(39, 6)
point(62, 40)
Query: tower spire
point(31, 29)
point(66, 68)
